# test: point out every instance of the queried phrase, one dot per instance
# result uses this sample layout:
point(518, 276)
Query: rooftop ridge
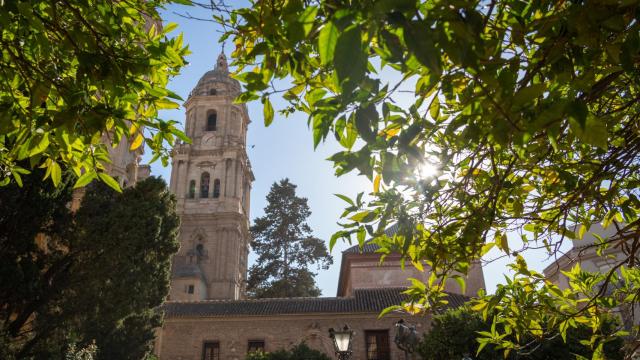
point(355, 291)
point(364, 300)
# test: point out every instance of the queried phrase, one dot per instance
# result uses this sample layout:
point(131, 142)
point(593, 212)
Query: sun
point(427, 170)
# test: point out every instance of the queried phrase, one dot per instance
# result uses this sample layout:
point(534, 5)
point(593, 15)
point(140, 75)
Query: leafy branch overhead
point(473, 120)
point(76, 79)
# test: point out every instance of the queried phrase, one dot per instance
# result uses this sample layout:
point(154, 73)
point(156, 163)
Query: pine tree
point(286, 247)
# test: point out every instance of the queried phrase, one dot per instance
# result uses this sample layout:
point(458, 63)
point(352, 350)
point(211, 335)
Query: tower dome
point(217, 81)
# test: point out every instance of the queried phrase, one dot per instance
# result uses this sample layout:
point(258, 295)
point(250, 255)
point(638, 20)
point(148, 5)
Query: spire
point(221, 63)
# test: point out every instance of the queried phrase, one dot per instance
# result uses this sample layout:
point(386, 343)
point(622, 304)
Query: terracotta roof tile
point(363, 301)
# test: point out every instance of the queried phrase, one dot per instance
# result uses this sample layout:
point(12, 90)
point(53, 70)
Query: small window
point(204, 185)
point(213, 92)
point(377, 344)
point(192, 189)
point(211, 350)
point(255, 345)
point(216, 188)
point(190, 289)
point(212, 120)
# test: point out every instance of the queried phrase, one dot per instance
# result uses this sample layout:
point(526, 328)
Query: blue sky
point(285, 150)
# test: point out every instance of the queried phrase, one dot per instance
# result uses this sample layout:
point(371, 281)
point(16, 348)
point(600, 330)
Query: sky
point(285, 150)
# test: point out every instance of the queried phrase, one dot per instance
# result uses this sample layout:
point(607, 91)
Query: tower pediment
point(206, 164)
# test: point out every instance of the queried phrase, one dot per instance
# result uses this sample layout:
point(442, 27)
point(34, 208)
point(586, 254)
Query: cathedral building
point(211, 179)
point(207, 315)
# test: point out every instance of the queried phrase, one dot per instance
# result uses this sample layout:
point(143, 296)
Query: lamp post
point(342, 342)
point(406, 337)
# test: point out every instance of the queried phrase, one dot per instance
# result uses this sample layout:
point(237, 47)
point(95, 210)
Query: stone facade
point(184, 338)
point(211, 178)
point(362, 270)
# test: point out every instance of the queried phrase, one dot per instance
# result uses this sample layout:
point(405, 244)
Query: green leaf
point(84, 179)
point(267, 111)
point(327, 41)
point(335, 237)
point(502, 242)
point(528, 94)
point(56, 173)
point(389, 309)
point(307, 18)
point(166, 104)
point(107, 179)
point(181, 135)
point(350, 59)
point(581, 230)
point(363, 216)
point(345, 198)
point(17, 178)
point(461, 282)
point(419, 40)
point(364, 119)
point(169, 27)
point(594, 132)
point(434, 108)
point(42, 145)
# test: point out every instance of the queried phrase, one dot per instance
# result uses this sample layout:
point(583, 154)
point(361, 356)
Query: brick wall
point(183, 338)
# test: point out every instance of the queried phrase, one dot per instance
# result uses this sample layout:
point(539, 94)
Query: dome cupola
point(217, 81)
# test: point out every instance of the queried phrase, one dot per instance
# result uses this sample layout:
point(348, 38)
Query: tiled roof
point(363, 301)
point(367, 248)
point(370, 247)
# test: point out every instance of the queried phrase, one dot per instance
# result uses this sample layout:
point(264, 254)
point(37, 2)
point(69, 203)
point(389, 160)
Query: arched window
point(199, 253)
point(212, 119)
point(216, 188)
point(192, 189)
point(213, 92)
point(204, 185)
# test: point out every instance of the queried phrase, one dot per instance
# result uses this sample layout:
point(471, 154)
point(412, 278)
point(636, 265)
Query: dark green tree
point(454, 334)
point(126, 243)
point(33, 273)
point(285, 246)
point(91, 276)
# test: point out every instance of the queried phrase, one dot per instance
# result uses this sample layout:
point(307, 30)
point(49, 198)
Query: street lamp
point(406, 338)
point(342, 342)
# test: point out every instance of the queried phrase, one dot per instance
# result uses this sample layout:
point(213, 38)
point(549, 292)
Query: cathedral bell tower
point(211, 178)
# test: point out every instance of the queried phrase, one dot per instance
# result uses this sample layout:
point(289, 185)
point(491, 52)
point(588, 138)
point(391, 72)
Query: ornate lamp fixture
point(406, 337)
point(342, 342)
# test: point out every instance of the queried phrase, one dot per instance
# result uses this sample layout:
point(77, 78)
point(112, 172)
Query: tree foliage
point(300, 351)
point(453, 335)
point(473, 120)
point(285, 247)
point(79, 76)
point(94, 276)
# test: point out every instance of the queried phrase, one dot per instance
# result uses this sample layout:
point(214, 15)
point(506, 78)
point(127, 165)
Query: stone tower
point(211, 178)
